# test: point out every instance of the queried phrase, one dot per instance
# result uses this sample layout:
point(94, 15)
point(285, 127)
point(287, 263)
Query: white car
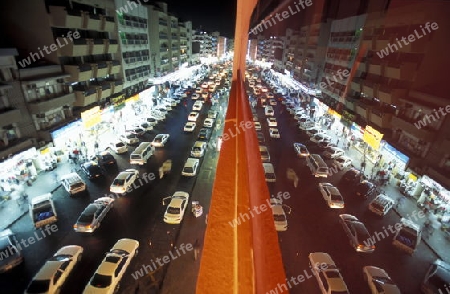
point(327, 273)
point(381, 205)
point(208, 123)
point(274, 133)
point(212, 114)
point(342, 162)
point(176, 208)
point(119, 147)
point(122, 183)
point(272, 122)
point(198, 90)
point(195, 96)
point(190, 167)
point(189, 126)
point(320, 138)
point(331, 195)
point(129, 139)
point(53, 274)
point(197, 106)
point(279, 216)
point(301, 150)
point(146, 126)
point(272, 102)
point(379, 281)
point(314, 131)
point(333, 152)
point(108, 275)
point(257, 125)
point(270, 95)
point(193, 116)
point(160, 140)
point(92, 216)
point(306, 125)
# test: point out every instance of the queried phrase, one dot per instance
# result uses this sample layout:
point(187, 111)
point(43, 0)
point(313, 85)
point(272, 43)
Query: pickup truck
point(407, 238)
point(42, 210)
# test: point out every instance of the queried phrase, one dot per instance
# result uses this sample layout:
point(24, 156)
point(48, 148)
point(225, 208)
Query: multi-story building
point(160, 33)
point(185, 35)
point(270, 49)
point(134, 46)
point(252, 49)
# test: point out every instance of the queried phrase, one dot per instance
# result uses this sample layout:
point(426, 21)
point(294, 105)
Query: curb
point(26, 211)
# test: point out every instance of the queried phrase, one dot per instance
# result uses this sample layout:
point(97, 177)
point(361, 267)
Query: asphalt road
point(137, 215)
point(314, 227)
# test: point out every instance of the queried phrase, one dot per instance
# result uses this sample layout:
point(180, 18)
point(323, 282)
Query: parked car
point(92, 216)
point(119, 147)
point(123, 182)
point(342, 162)
point(160, 140)
point(53, 274)
point(279, 215)
point(193, 116)
point(204, 134)
point(129, 139)
point(320, 138)
point(327, 274)
point(379, 281)
point(138, 131)
point(272, 122)
point(108, 275)
point(190, 167)
point(257, 125)
point(314, 131)
point(333, 152)
point(301, 150)
point(175, 210)
point(92, 170)
point(274, 133)
point(437, 278)
point(260, 137)
point(351, 177)
point(189, 127)
point(357, 233)
point(197, 106)
point(105, 160)
point(208, 123)
point(381, 205)
point(9, 243)
point(365, 189)
point(331, 195)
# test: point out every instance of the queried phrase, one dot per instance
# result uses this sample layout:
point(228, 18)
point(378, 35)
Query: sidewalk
point(14, 208)
point(437, 241)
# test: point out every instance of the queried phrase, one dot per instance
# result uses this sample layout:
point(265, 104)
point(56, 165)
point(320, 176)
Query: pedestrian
point(337, 142)
point(196, 249)
point(363, 166)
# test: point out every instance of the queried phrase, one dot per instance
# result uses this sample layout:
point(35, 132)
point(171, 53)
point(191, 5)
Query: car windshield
point(279, 217)
point(86, 218)
point(120, 144)
point(76, 185)
point(173, 210)
point(158, 140)
point(188, 170)
point(336, 197)
point(383, 280)
point(377, 206)
point(100, 281)
point(118, 182)
point(38, 286)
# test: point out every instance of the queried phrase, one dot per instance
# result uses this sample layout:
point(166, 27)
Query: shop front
point(435, 199)
point(65, 138)
point(17, 170)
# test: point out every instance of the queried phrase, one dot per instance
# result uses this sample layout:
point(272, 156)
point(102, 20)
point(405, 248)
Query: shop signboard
point(69, 131)
point(91, 117)
point(395, 153)
point(132, 99)
point(372, 137)
point(118, 102)
point(347, 118)
point(357, 130)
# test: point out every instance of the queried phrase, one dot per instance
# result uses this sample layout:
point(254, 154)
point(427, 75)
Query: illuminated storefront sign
point(372, 137)
point(347, 118)
point(132, 99)
point(91, 117)
point(118, 102)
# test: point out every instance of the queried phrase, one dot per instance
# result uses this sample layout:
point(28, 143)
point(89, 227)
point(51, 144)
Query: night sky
point(213, 15)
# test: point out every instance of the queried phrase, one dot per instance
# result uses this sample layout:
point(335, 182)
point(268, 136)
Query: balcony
point(381, 44)
point(62, 18)
point(102, 69)
point(96, 46)
point(111, 46)
point(116, 87)
point(407, 125)
point(390, 96)
point(162, 22)
point(78, 72)
point(383, 120)
point(368, 44)
point(9, 115)
point(363, 110)
point(162, 37)
point(370, 89)
point(78, 47)
point(92, 22)
point(104, 90)
point(85, 97)
point(375, 69)
point(114, 67)
point(355, 86)
point(45, 105)
point(350, 104)
point(402, 71)
point(108, 23)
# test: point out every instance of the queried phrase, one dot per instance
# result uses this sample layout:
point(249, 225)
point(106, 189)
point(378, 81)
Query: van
point(73, 183)
point(198, 150)
point(265, 156)
point(318, 167)
point(269, 111)
point(269, 172)
point(141, 154)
